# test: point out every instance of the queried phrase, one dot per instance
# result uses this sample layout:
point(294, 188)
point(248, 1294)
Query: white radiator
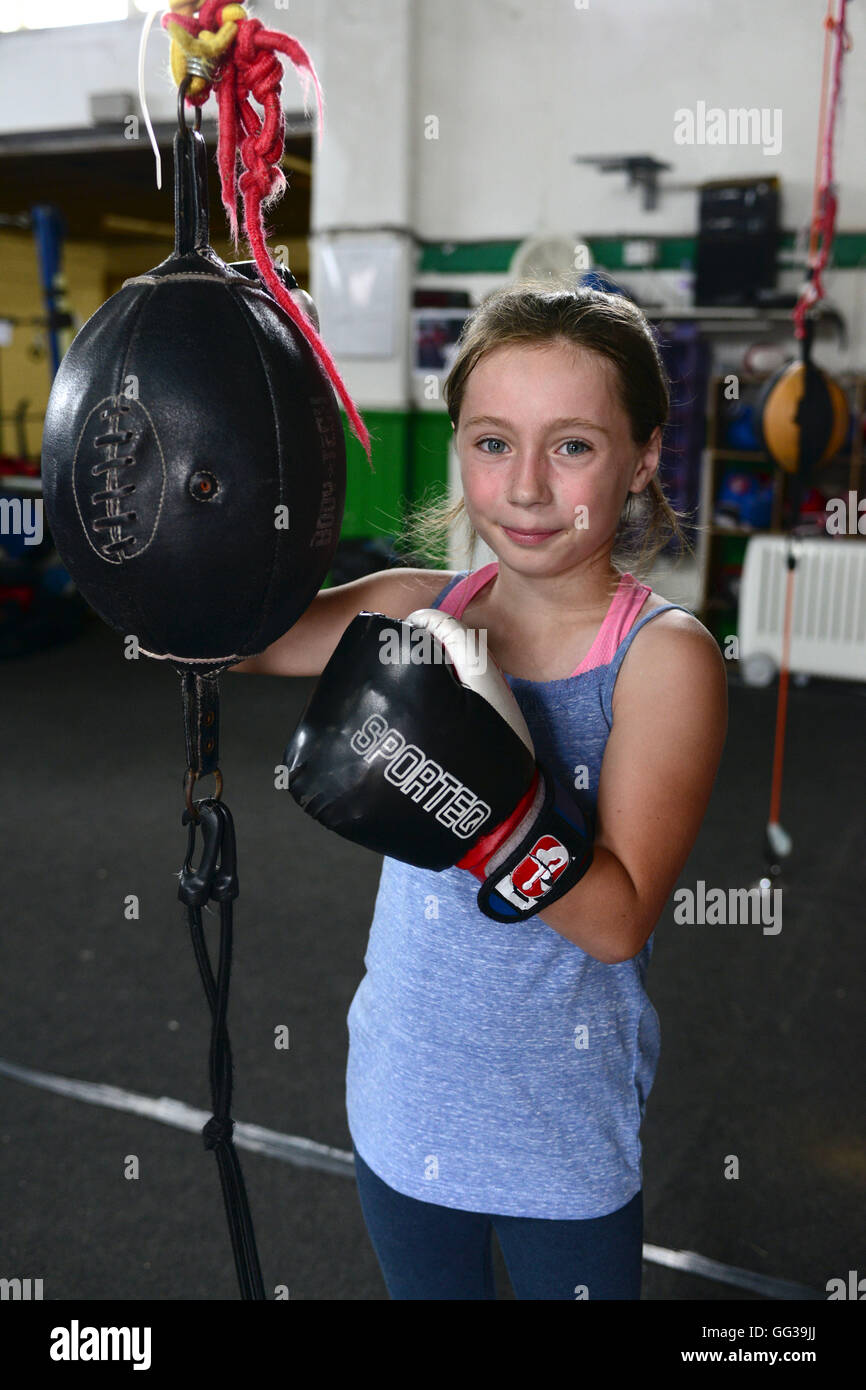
point(828, 628)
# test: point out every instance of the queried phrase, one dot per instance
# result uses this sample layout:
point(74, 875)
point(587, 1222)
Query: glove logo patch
point(536, 873)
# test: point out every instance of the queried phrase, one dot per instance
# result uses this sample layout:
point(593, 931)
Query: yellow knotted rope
point(207, 46)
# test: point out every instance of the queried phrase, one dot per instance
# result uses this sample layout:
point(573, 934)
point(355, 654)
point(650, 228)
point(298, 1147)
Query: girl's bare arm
point(308, 646)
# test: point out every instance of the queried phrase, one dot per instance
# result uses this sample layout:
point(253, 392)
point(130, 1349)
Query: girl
point(498, 1076)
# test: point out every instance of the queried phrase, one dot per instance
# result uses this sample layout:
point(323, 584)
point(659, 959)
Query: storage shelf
point(717, 607)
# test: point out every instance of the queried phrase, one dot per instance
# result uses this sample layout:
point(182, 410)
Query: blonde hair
point(533, 312)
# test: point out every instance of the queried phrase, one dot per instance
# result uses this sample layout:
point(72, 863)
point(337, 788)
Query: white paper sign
point(356, 295)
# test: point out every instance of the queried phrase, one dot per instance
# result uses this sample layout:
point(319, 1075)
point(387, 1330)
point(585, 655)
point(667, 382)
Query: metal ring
point(189, 781)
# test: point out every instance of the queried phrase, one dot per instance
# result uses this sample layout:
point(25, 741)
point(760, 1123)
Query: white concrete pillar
point(362, 251)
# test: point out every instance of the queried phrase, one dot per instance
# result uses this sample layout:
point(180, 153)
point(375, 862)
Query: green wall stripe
point(430, 437)
point(467, 257)
point(410, 455)
point(373, 498)
point(673, 253)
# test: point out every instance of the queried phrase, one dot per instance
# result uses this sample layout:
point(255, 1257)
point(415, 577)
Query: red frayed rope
point(824, 206)
point(249, 66)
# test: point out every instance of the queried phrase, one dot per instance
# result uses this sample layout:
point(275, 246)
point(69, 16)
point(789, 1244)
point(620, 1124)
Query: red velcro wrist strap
point(484, 849)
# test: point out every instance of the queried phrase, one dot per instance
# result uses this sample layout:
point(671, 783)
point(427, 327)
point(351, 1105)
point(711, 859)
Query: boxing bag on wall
point(193, 457)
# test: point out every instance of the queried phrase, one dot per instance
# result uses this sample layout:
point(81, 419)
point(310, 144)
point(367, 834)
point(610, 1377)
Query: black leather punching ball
point(803, 416)
point(193, 457)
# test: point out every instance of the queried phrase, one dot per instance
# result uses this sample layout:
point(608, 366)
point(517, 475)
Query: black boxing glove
point(412, 746)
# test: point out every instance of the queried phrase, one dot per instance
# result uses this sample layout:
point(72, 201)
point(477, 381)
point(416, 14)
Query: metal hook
point(181, 97)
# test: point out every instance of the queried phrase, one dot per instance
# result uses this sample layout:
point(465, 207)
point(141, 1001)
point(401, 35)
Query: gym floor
point(762, 1035)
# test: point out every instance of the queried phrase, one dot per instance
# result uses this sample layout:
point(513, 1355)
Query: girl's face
point(547, 459)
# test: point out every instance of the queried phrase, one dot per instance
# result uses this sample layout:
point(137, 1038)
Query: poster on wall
point(435, 332)
point(356, 295)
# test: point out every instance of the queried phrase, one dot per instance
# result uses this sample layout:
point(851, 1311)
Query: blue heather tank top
point(495, 1068)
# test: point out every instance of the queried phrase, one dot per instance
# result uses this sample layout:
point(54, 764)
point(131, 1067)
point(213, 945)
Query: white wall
point(518, 87)
point(521, 86)
point(46, 75)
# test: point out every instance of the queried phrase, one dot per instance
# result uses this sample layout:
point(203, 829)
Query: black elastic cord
point(220, 884)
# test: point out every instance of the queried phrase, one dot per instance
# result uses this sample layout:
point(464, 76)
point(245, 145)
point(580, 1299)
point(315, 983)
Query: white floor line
point(764, 1284)
point(306, 1153)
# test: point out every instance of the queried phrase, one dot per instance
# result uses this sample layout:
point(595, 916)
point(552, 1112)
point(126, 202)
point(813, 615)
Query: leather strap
point(553, 854)
point(201, 718)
